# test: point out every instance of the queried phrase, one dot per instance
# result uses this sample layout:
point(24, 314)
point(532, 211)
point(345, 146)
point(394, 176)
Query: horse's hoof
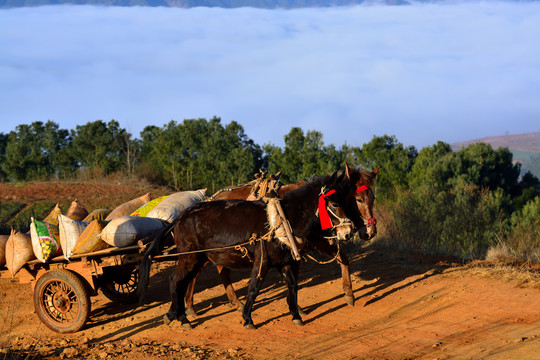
point(349, 300)
point(187, 326)
point(191, 312)
point(298, 322)
point(249, 326)
point(166, 320)
point(301, 312)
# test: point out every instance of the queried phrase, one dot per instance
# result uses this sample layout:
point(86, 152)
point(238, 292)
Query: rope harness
point(335, 258)
point(267, 189)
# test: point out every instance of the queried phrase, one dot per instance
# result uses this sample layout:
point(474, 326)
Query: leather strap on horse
point(284, 224)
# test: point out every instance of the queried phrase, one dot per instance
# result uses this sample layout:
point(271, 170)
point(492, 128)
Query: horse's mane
point(362, 176)
point(314, 183)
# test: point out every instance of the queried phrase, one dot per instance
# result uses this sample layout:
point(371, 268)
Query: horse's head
point(362, 182)
point(332, 208)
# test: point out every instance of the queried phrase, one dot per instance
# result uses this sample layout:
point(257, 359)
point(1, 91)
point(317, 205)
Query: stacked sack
point(125, 230)
point(80, 232)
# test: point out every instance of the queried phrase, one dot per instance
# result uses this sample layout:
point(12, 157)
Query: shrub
point(463, 221)
point(522, 240)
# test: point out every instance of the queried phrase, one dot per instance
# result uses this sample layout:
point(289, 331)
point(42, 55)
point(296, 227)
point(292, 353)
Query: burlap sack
point(146, 208)
point(70, 230)
point(45, 243)
point(89, 240)
point(52, 218)
point(126, 230)
point(129, 207)
point(97, 214)
point(18, 251)
point(3, 241)
point(76, 211)
point(170, 209)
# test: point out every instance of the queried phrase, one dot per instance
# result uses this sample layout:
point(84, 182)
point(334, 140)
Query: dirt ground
point(403, 310)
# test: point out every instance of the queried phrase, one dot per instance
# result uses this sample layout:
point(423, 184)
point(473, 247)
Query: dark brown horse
point(223, 232)
point(362, 182)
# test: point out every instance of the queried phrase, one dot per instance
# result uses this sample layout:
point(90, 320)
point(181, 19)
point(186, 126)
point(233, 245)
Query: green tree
point(99, 145)
point(395, 160)
point(37, 151)
point(303, 156)
point(200, 153)
point(3, 145)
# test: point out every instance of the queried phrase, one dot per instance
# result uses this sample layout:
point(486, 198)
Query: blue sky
point(423, 73)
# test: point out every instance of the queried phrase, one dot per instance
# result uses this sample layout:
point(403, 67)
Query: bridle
point(370, 221)
point(323, 210)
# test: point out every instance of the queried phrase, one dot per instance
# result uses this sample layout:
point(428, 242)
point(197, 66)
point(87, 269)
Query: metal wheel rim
point(60, 302)
point(125, 286)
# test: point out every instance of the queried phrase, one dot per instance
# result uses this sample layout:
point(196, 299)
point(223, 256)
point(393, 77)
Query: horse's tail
point(156, 245)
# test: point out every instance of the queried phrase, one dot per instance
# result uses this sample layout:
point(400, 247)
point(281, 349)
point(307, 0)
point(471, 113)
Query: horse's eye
point(360, 200)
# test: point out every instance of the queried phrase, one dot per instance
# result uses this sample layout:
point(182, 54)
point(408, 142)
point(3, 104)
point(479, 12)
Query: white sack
point(170, 209)
point(126, 230)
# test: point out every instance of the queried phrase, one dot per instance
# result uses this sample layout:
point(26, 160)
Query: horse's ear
point(376, 171)
point(333, 179)
point(348, 170)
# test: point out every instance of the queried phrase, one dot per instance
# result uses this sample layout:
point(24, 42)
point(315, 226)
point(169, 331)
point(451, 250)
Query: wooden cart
point(62, 288)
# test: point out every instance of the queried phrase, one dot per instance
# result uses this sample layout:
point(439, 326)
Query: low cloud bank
point(422, 72)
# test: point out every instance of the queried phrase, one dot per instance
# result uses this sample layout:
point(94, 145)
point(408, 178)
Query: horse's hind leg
point(292, 294)
point(190, 291)
point(225, 275)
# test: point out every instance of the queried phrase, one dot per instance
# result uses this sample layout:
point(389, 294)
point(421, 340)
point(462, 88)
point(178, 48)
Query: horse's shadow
point(382, 274)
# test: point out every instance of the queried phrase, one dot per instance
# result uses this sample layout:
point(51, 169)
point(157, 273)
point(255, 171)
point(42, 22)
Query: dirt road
point(403, 310)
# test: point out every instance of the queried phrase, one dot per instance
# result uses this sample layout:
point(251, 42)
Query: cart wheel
point(62, 301)
point(119, 284)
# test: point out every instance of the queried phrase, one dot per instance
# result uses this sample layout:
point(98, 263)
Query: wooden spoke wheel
point(119, 283)
point(62, 301)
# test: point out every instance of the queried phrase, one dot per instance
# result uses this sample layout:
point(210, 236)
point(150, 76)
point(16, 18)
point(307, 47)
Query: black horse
point(233, 234)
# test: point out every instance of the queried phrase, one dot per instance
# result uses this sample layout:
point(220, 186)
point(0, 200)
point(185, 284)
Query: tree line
point(459, 202)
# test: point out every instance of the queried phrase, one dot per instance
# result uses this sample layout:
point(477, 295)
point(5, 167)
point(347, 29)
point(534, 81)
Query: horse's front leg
point(330, 249)
point(186, 270)
point(292, 293)
point(258, 272)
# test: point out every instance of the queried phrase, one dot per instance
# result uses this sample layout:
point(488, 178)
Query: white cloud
point(423, 73)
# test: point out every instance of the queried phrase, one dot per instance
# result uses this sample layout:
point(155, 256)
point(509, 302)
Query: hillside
point(529, 142)
point(21, 201)
point(524, 147)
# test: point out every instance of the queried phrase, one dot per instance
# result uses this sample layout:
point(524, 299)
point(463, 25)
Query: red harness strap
point(326, 223)
point(362, 188)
